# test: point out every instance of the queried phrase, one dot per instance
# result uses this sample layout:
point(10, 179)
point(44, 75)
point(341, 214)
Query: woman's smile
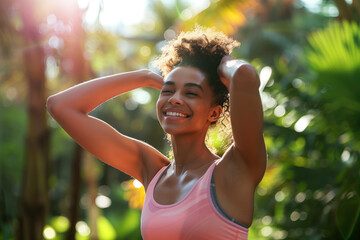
point(175, 114)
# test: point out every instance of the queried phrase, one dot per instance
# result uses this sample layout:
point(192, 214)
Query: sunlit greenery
point(307, 54)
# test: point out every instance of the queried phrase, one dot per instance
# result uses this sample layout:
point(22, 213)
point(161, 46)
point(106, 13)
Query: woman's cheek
point(159, 104)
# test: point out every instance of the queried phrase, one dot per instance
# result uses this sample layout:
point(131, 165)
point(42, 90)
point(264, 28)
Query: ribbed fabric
point(192, 218)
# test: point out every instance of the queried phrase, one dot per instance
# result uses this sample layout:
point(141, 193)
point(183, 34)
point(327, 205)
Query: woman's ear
point(215, 113)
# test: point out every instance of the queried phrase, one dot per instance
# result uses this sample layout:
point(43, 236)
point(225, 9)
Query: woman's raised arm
point(70, 109)
point(246, 115)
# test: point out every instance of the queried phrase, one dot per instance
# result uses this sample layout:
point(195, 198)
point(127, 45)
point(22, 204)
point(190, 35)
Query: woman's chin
point(170, 131)
point(174, 130)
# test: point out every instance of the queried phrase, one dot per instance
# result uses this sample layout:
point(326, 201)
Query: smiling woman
point(198, 195)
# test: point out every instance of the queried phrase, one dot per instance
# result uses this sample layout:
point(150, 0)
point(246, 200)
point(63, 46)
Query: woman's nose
point(176, 99)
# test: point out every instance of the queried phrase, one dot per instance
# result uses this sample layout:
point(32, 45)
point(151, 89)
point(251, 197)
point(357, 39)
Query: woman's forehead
point(186, 74)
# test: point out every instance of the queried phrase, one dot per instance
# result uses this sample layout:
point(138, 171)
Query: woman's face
point(185, 104)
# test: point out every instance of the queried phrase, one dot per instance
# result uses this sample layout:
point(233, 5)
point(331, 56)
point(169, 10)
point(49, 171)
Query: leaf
point(129, 223)
point(60, 223)
point(335, 48)
point(105, 229)
point(347, 214)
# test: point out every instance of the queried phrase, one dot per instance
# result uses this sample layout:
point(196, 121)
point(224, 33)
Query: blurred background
point(307, 53)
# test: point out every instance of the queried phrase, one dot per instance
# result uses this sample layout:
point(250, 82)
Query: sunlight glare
point(266, 220)
point(141, 96)
point(168, 3)
point(317, 6)
point(127, 12)
point(303, 122)
point(82, 228)
point(51, 19)
point(197, 6)
point(11, 93)
point(49, 233)
point(289, 119)
point(266, 231)
point(280, 196)
point(137, 184)
point(169, 34)
point(280, 234)
point(103, 201)
point(294, 216)
point(270, 103)
point(279, 111)
point(297, 83)
point(187, 14)
point(345, 156)
point(114, 13)
point(83, 3)
point(145, 51)
point(300, 197)
point(264, 75)
point(52, 69)
point(312, 5)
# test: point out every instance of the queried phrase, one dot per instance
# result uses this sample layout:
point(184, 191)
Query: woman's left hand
point(229, 66)
point(225, 61)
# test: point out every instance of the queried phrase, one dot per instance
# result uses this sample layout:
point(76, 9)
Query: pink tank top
point(195, 217)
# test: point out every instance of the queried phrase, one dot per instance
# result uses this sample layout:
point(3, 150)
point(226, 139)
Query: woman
point(198, 195)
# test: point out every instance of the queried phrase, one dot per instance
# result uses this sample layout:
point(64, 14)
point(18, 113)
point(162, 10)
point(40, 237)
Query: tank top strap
point(155, 179)
point(206, 178)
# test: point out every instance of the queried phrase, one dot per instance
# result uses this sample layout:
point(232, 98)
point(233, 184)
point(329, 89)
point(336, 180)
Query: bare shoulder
point(233, 167)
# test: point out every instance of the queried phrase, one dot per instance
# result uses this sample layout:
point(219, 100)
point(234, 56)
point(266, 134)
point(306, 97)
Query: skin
point(184, 91)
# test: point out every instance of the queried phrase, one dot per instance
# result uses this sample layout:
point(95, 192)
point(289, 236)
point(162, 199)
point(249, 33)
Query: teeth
point(176, 114)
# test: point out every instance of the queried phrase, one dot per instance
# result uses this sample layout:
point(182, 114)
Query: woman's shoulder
point(231, 168)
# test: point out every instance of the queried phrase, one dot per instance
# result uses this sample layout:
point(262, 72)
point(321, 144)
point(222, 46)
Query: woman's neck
point(190, 152)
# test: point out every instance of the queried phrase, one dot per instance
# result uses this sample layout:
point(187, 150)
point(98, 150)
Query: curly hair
point(202, 48)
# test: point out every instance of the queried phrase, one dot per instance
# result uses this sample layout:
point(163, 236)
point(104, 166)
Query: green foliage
point(334, 58)
point(12, 134)
point(313, 175)
point(105, 229)
point(347, 214)
point(336, 48)
point(129, 224)
point(311, 109)
point(60, 224)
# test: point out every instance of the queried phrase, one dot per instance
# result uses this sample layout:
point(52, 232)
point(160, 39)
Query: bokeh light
point(83, 229)
point(49, 233)
point(103, 201)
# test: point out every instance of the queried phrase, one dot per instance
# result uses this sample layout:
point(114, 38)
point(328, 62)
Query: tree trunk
point(79, 72)
point(75, 192)
point(34, 196)
point(356, 6)
point(345, 12)
point(91, 180)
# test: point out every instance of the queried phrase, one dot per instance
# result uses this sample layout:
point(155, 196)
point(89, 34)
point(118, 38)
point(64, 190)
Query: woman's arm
point(246, 115)
point(70, 109)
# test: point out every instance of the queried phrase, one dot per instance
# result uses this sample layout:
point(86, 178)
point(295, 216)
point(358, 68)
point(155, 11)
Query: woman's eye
point(166, 91)
point(192, 94)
